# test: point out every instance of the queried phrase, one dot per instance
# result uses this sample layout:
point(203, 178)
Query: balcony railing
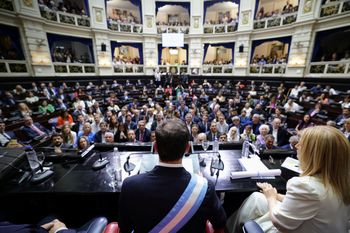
point(280, 20)
point(128, 69)
point(268, 69)
point(6, 5)
point(330, 67)
point(125, 27)
point(335, 8)
point(217, 69)
point(220, 28)
point(173, 29)
point(63, 17)
point(74, 68)
point(13, 66)
point(174, 69)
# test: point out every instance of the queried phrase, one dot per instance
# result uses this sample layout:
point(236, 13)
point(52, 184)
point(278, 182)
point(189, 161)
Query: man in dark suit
point(78, 126)
point(204, 124)
point(33, 130)
point(100, 135)
point(213, 133)
point(143, 134)
point(162, 188)
point(279, 133)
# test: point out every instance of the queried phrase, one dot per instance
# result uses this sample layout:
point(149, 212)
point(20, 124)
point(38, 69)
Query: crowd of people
point(65, 6)
point(172, 111)
point(218, 62)
point(68, 56)
point(275, 59)
point(223, 19)
point(176, 23)
point(287, 8)
point(122, 17)
point(221, 117)
point(120, 60)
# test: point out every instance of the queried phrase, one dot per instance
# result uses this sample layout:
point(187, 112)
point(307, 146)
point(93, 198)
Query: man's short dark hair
point(56, 135)
point(172, 137)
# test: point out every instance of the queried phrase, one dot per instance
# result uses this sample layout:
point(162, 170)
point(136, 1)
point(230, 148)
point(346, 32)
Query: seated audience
point(69, 136)
point(46, 108)
point(5, 137)
point(34, 130)
point(293, 141)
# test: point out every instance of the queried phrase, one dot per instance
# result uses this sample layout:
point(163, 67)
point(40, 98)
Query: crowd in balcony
point(287, 8)
point(67, 55)
point(224, 111)
point(120, 60)
point(176, 23)
point(64, 6)
point(123, 17)
point(224, 19)
point(262, 60)
point(218, 62)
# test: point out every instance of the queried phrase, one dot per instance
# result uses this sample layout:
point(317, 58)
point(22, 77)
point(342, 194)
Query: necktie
point(141, 136)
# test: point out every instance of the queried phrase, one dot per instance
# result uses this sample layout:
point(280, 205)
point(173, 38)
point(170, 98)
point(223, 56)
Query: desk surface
point(81, 178)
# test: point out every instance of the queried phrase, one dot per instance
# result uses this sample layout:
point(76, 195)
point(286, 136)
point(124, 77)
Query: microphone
point(100, 163)
point(41, 175)
point(217, 164)
point(128, 166)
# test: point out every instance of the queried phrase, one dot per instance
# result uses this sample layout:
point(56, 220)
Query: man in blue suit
point(142, 133)
point(34, 130)
point(162, 188)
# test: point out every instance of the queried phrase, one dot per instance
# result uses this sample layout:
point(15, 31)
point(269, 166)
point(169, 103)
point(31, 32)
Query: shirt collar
point(177, 165)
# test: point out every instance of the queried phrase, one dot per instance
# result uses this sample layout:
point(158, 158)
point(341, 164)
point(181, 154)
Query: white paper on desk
point(247, 174)
point(292, 164)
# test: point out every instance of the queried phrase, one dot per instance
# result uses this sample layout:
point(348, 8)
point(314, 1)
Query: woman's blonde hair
point(324, 151)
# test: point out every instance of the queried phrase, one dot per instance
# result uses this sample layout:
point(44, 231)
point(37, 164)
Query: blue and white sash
point(185, 207)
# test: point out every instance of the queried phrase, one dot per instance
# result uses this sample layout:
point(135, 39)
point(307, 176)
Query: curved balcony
point(128, 69)
point(125, 27)
point(174, 69)
point(276, 21)
point(219, 28)
point(330, 67)
point(335, 8)
point(172, 29)
point(268, 69)
point(13, 67)
point(217, 69)
point(74, 68)
point(63, 17)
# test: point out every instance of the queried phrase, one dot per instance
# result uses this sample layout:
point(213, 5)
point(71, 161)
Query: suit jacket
point(31, 133)
point(98, 137)
point(282, 136)
point(76, 127)
point(146, 135)
point(211, 137)
point(160, 190)
point(27, 228)
point(202, 127)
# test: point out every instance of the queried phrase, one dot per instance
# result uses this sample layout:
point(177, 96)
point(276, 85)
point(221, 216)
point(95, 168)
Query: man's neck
point(175, 162)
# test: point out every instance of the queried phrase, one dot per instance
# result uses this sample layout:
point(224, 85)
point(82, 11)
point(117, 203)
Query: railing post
point(58, 17)
point(273, 69)
point(325, 69)
point(76, 20)
point(7, 67)
point(340, 7)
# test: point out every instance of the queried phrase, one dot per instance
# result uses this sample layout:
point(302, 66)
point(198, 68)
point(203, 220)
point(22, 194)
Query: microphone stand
point(41, 174)
point(100, 163)
point(217, 164)
point(128, 166)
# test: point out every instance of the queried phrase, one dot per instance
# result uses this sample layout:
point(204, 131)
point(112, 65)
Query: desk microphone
point(40, 175)
point(217, 164)
point(100, 163)
point(128, 166)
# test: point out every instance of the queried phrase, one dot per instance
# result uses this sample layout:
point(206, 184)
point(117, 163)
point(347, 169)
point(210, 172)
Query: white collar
point(176, 165)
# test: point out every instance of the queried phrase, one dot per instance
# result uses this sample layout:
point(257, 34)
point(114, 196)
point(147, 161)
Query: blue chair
point(252, 227)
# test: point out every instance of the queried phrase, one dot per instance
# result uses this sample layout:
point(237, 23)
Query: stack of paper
point(254, 168)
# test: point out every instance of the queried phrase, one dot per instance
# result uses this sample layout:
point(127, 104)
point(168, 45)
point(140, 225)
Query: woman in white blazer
point(316, 202)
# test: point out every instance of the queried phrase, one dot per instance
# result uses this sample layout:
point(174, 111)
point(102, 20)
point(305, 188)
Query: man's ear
point(188, 147)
